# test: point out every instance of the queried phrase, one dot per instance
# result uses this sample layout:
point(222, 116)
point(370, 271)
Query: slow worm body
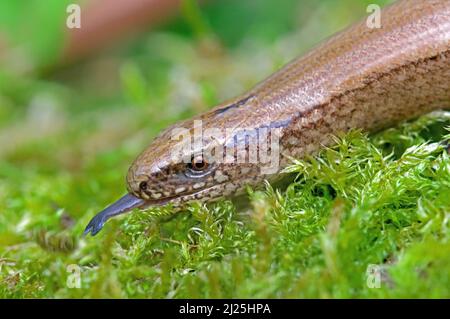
point(366, 78)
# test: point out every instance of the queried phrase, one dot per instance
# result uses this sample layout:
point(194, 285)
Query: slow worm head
point(366, 78)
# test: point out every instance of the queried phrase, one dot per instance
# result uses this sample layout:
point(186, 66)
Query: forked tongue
point(123, 205)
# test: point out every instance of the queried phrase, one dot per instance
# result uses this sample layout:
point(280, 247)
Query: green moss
point(356, 204)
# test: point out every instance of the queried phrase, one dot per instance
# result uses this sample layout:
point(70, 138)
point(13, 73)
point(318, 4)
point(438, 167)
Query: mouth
point(126, 204)
point(121, 206)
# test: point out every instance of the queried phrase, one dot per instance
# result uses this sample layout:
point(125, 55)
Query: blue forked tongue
point(123, 205)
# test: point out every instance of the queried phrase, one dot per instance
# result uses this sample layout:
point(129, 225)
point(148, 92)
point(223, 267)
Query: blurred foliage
point(67, 140)
point(34, 29)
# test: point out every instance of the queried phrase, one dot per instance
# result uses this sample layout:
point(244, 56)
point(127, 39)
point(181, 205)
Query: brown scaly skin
point(360, 78)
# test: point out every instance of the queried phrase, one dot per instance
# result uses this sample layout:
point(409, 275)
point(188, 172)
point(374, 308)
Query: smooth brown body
point(360, 78)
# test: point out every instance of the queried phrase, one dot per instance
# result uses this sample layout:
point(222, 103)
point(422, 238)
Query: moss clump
point(368, 206)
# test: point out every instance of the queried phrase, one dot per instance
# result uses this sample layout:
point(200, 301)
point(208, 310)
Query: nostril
point(143, 185)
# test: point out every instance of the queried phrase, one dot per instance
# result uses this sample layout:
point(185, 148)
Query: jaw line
point(167, 200)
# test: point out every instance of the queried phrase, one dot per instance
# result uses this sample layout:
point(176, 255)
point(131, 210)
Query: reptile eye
point(143, 185)
point(198, 164)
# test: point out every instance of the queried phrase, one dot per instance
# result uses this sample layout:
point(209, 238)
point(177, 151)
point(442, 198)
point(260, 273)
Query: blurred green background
point(69, 131)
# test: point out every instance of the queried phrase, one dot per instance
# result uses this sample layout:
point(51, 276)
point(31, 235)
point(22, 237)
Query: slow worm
point(365, 78)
